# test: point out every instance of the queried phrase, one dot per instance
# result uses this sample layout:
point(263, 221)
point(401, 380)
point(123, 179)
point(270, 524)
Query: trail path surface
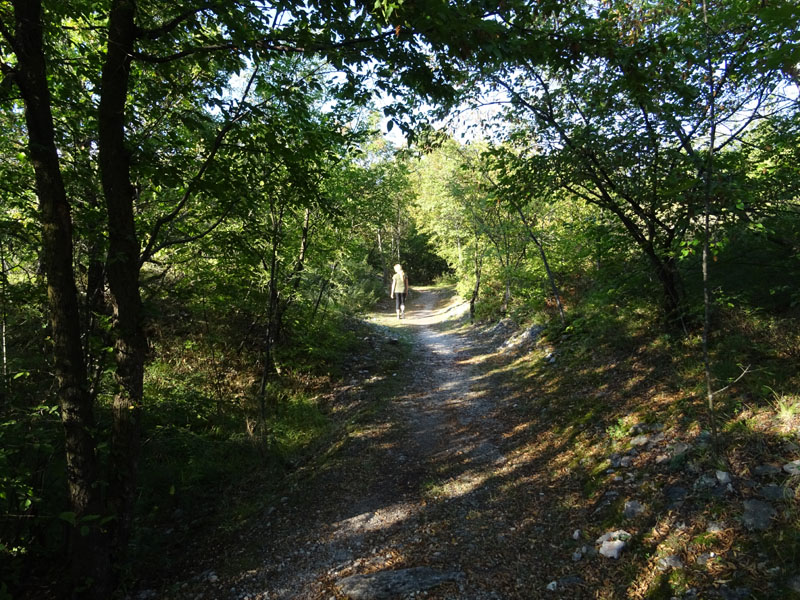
point(408, 504)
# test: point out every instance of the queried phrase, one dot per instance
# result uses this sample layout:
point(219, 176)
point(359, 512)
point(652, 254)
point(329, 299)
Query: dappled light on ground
point(503, 469)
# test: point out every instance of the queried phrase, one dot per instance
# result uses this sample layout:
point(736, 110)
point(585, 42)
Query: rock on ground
point(391, 584)
point(792, 468)
point(757, 515)
point(612, 549)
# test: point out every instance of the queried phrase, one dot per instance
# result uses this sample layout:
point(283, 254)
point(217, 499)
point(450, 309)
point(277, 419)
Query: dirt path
point(402, 496)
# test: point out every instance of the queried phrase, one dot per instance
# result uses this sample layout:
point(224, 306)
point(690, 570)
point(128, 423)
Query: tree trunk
point(708, 183)
point(122, 269)
point(297, 270)
point(3, 323)
point(89, 554)
point(667, 273)
point(476, 290)
point(384, 264)
point(270, 336)
point(545, 262)
point(322, 290)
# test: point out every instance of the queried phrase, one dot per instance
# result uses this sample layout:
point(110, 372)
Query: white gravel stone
point(724, 477)
point(612, 549)
point(792, 468)
point(619, 534)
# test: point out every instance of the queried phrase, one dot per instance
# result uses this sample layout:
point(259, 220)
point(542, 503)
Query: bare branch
point(745, 371)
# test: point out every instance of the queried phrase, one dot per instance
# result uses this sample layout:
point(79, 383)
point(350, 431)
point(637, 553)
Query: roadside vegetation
point(197, 206)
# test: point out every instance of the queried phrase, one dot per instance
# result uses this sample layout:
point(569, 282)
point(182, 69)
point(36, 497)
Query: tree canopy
point(164, 162)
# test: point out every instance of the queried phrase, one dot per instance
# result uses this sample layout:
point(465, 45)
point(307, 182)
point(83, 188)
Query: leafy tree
point(612, 110)
point(144, 81)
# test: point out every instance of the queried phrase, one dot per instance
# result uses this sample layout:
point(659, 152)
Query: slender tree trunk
point(89, 554)
point(270, 335)
point(707, 235)
point(476, 290)
point(384, 263)
point(3, 324)
point(665, 269)
point(325, 284)
point(545, 262)
point(122, 269)
point(94, 306)
point(667, 273)
point(94, 301)
point(297, 270)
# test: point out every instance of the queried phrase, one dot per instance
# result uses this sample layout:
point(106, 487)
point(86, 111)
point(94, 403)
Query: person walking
point(399, 290)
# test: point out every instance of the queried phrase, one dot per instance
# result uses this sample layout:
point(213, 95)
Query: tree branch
point(157, 32)
point(191, 187)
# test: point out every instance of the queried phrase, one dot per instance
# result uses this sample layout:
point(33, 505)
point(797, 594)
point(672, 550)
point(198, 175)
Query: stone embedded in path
point(564, 582)
point(792, 468)
point(679, 448)
point(384, 585)
point(724, 477)
point(633, 508)
point(757, 515)
point(676, 495)
point(775, 492)
point(640, 440)
point(613, 543)
point(612, 549)
point(669, 562)
point(619, 534)
point(741, 593)
point(766, 470)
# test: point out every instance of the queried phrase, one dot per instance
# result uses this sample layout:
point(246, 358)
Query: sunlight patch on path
point(376, 519)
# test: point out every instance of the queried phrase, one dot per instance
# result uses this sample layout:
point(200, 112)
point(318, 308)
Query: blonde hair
point(398, 268)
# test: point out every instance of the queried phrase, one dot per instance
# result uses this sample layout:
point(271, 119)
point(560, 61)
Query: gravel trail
point(397, 495)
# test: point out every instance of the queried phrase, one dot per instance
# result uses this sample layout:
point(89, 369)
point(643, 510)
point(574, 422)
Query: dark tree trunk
point(89, 554)
point(322, 289)
point(270, 335)
point(122, 269)
point(3, 325)
point(671, 285)
point(476, 290)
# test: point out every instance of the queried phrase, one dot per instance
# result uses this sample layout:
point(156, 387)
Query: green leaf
point(69, 517)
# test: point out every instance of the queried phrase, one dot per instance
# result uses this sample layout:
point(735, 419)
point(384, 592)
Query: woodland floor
point(448, 459)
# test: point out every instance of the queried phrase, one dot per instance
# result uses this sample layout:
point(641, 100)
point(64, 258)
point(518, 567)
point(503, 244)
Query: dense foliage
point(195, 202)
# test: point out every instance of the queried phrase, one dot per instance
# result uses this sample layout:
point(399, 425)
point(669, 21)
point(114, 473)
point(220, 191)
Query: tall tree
point(609, 100)
point(90, 552)
point(118, 61)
